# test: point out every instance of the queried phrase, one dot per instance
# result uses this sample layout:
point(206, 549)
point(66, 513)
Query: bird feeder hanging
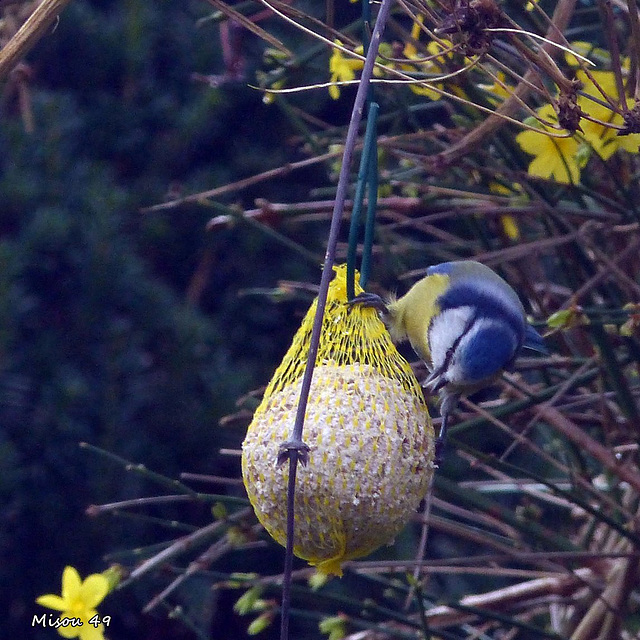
point(369, 433)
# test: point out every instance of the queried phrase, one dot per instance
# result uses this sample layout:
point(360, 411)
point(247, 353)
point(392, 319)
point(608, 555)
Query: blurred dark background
point(120, 328)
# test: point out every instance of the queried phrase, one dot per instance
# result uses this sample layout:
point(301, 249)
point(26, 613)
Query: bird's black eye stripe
point(452, 349)
point(465, 331)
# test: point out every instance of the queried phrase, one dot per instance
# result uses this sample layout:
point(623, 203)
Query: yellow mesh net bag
point(368, 430)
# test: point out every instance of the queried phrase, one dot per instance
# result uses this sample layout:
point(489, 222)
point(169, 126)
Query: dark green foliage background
point(97, 343)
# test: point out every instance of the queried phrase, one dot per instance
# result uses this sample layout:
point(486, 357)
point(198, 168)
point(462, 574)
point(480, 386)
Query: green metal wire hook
point(367, 179)
point(372, 204)
point(369, 152)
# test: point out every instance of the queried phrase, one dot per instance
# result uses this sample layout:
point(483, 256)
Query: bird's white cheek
point(445, 329)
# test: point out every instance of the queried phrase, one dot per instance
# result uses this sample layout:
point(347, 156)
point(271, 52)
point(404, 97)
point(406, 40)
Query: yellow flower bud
point(260, 624)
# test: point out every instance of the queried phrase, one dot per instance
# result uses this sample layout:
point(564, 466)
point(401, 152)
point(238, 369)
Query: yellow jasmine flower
point(587, 50)
point(562, 158)
point(342, 69)
point(439, 62)
point(499, 90)
point(410, 50)
point(509, 224)
point(630, 143)
point(434, 65)
point(78, 617)
point(510, 227)
point(602, 138)
point(515, 189)
point(269, 96)
point(555, 158)
point(598, 135)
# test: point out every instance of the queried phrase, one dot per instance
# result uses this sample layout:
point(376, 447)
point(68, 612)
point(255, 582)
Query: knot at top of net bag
point(368, 431)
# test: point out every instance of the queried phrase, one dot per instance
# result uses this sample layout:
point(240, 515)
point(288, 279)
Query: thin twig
point(96, 509)
point(592, 447)
point(184, 544)
point(634, 44)
point(215, 551)
point(422, 545)
point(29, 34)
point(561, 16)
point(278, 172)
point(250, 25)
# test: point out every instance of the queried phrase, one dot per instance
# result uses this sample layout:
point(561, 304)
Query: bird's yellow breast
point(411, 315)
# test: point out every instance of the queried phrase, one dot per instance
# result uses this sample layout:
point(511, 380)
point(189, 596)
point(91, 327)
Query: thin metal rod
point(332, 241)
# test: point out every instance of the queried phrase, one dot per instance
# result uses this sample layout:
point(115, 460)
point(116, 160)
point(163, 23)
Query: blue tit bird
point(465, 322)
